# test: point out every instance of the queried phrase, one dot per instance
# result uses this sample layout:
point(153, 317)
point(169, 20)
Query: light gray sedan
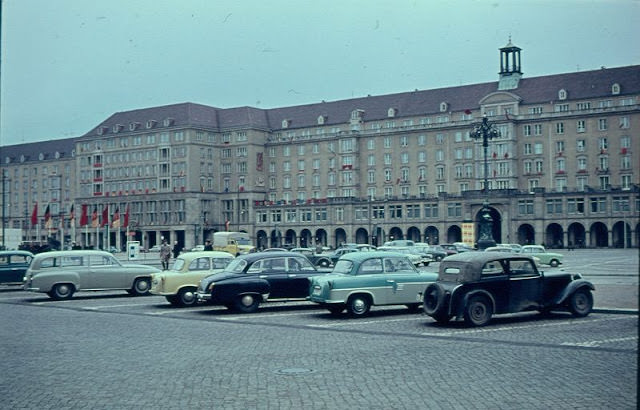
point(60, 274)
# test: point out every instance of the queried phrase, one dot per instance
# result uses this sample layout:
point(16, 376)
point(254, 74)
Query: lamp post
point(485, 131)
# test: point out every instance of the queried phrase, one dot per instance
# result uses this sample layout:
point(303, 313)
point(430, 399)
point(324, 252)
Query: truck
point(235, 243)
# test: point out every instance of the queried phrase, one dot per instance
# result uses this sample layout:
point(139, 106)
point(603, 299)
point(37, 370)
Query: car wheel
point(358, 305)
point(425, 263)
point(478, 311)
point(172, 299)
point(438, 258)
point(324, 263)
point(433, 299)
point(187, 297)
point(247, 303)
point(554, 262)
point(336, 310)
point(581, 302)
point(62, 291)
point(141, 286)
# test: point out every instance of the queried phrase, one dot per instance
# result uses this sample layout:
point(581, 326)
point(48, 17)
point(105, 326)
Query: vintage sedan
point(252, 279)
point(13, 266)
point(476, 285)
point(60, 274)
point(409, 252)
point(547, 258)
point(364, 279)
point(180, 284)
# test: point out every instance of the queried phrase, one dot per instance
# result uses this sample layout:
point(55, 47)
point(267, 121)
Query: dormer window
point(133, 126)
point(57, 155)
point(615, 89)
point(357, 115)
point(168, 122)
point(22, 158)
point(102, 130)
point(444, 107)
point(322, 119)
point(286, 123)
point(7, 160)
point(151, 123)
point(392, 112)
point(117, 128)
point(41, 156)
point(562, 94)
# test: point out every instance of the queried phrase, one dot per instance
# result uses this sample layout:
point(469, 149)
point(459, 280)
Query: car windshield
point(178, 264)
point(236, 266)
point(343, 266)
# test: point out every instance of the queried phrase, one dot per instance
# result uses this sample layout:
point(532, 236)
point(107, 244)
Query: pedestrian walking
point(165, 254)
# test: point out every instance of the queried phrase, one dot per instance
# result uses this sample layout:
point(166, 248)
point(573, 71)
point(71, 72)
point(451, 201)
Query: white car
point(413, 257)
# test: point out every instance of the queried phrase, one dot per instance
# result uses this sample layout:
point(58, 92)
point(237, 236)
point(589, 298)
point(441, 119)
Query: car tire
point(581, 302)
point(358, 305)
point(478, 311)
point(248, 303)
point(62, 291)
point(433, 299)
point(187, 297)
point(554, 263)
point(172, 299)
point(425, 263)
point(141, 286)
point(439, 258)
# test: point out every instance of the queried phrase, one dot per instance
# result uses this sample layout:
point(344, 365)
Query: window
point(454, 209)
point(554, 206)
point(560, 128)
point(598, 204)
point(580, 145)
point(581, 126)
point(525, 207)
point(602, 124)
point(575, 205)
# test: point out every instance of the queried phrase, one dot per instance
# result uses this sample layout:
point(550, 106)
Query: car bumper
point(205, 297)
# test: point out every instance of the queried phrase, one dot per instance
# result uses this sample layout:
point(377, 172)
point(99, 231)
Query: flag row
point(98, 219)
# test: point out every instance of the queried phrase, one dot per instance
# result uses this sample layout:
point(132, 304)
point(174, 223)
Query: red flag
point(34, 215)
point(105, 216)
point(47, 218)
point(125, 223)
point(84, 218)
point(115, 221)
point(94, 217)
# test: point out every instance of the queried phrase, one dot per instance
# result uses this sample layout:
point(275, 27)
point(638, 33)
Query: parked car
point(155, 248)
point(13, 266)
point(364, 279)
point(197, 248)
point(516, 247)
point(252, 279)
point(179, 285)
point(463, 247)
point(477, 285)
point(436, 252)
point(60, 274)
point(449, 248)
point(415, 259)
point(546, 258)
point(424, 256)
point(324, 260)
point(499, 249)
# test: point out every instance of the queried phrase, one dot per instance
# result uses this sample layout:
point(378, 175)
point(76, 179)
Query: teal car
point(543, 256)
point(360, 280)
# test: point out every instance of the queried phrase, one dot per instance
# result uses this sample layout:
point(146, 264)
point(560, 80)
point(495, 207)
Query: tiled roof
point(32, 151)
point(536, 90)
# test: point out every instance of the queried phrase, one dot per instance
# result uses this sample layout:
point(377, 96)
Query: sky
point(67, 65)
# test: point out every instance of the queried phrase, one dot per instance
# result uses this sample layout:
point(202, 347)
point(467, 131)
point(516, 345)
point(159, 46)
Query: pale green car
point(179, 284)
point(360, 280)
point(543, 256)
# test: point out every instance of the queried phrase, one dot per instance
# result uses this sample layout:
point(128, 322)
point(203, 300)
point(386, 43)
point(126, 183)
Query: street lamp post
point(485, 131)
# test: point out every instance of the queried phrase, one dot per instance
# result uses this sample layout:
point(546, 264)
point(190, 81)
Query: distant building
point(564, 171)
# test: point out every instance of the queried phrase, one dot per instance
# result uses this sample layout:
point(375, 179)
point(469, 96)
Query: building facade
point(564, 170)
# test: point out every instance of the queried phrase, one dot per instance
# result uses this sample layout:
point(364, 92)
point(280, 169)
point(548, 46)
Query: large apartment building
point(564, 169)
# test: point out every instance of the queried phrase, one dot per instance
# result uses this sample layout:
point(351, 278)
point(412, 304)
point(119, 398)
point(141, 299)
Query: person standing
point(176, 250)
point(208, 246)
point(165, 254)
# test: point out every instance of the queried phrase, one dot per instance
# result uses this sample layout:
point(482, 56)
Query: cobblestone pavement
point(113, 351)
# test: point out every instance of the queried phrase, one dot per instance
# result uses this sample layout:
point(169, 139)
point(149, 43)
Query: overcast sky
point(67, 65)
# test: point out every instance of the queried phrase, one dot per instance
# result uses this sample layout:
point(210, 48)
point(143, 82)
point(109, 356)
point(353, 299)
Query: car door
point(404, 282)
point(525, 285)
point(13, 268)
point(299, 270)
point(105, 272)
point(274, 271)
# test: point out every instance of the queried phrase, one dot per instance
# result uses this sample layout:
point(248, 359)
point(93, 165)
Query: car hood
point(218, 277)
